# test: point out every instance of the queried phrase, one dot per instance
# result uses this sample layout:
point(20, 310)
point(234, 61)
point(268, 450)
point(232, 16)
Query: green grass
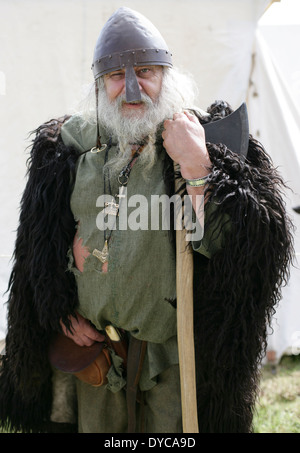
point(278, 407)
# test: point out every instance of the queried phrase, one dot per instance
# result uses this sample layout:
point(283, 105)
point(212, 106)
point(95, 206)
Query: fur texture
point(232, 312)
point(235, 292)
point(41, 291)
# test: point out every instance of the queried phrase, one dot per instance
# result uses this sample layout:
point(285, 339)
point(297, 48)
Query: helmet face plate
point(127, 40)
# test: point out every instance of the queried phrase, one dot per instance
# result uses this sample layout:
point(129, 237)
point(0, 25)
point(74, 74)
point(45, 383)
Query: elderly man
point(80, 273)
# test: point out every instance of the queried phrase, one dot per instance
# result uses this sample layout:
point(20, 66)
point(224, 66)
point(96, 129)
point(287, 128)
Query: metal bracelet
point(198, 182)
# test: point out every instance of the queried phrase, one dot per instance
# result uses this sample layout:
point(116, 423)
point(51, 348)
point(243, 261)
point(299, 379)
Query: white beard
point(132, 127)
point(135, 127)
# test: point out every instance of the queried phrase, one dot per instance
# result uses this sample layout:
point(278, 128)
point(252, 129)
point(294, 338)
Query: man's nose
point(132, 86)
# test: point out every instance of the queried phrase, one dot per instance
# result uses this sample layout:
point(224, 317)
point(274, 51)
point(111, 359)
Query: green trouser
point(101, 411)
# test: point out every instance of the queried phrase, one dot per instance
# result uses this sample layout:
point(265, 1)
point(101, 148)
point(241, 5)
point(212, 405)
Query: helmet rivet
point(144, 50)
point(157, 50)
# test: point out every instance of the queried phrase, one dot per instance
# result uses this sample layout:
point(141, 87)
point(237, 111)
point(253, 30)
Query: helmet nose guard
point(127, 40)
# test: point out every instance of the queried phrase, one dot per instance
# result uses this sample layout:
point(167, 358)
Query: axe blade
point(232, 131)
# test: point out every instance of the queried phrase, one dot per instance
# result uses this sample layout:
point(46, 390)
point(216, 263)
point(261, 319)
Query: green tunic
point(135, 293)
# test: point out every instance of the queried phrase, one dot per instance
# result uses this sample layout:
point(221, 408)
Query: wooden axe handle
point(185, 332)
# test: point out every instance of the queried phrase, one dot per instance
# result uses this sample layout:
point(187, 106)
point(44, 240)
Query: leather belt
point(136, 355)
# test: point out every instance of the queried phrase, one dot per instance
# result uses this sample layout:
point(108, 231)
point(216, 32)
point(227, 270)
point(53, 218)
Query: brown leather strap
point(136, 354)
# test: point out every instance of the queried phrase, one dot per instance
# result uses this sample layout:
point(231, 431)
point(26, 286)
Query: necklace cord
point(122, 179)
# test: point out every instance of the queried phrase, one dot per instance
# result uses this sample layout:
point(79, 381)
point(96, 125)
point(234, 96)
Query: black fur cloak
point(235, 292)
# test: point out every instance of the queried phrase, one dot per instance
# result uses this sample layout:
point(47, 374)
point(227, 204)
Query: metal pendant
point(111, 208)
point(122, 192)
point(103, 255)
point(96, 150)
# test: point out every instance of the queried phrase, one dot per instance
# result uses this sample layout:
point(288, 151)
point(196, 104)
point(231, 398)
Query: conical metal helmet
point(127, 40)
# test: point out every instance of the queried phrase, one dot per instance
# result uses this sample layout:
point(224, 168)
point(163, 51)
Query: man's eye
point(144, 72)
point(117, 75)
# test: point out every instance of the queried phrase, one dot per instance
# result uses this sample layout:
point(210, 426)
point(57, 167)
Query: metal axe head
point(232, 131)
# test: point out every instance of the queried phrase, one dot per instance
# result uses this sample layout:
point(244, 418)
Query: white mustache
point(145, 99)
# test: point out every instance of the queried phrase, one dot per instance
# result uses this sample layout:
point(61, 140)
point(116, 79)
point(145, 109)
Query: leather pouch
point(95, 373)
point(90, 364)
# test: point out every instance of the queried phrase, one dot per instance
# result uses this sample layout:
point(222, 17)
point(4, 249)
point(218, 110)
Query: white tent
point(274, 106)
point(45, 58)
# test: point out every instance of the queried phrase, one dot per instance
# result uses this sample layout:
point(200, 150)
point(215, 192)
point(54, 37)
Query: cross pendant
point(122, 192)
